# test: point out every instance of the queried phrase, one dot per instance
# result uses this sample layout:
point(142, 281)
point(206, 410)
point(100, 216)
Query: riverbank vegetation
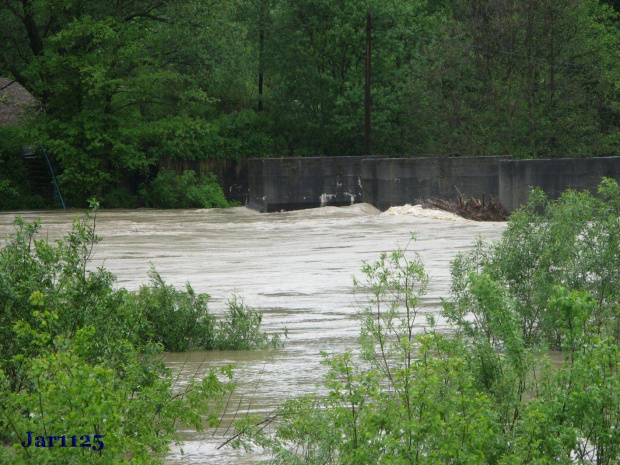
point(80, 356)
point(486, 388)
point(123, 88)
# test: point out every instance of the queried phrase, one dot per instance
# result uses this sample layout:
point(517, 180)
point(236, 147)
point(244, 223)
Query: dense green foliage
point(490, 392)
point(240, 329)
point(15, 189)
point(122, 85)
point(530, 79)
point(573, 242)
point(169, 190)
point(180, 320)
point(18, 190)
point(80, 356)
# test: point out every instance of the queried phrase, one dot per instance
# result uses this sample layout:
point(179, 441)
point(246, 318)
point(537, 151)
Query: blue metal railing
point(56, 188)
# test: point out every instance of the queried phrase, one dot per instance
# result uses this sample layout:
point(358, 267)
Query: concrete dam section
point(277, 184)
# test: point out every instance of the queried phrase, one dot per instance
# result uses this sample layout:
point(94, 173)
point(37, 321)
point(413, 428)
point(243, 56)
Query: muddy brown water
point(297, 267)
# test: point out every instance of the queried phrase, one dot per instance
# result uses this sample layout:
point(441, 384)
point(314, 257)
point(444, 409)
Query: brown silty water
point(297, 267)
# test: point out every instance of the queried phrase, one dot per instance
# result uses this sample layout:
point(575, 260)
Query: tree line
point(123, 84)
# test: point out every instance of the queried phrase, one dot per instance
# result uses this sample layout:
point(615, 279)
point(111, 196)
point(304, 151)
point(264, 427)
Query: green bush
point(240, 329)
point(131, 405)
point(120, 197)
point(79, 356)
point(178, 320)
point(169, 190)
point(485, 391)
point(572, 242)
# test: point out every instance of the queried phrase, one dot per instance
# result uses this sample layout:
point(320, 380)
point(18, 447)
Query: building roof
point(13, 101)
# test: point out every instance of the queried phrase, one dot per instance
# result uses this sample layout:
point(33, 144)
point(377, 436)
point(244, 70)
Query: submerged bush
point(80, 357)
point(178, 320)
point(240, 329)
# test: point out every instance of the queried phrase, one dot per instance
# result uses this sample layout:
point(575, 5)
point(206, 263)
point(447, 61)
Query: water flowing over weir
point(297, 267)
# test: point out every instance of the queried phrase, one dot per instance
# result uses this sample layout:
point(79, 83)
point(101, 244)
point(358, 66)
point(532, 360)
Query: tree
point(110, 76)
point(123, 85)
point(316, 59)
point(530, 79)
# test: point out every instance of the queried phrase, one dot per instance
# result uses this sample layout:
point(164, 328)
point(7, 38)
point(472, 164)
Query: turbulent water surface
point(297, 267)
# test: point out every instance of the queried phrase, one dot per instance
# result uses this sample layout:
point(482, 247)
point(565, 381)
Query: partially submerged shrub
point(178, 320)
point(488, 393)
point(240, 329)
point(572, 242)
point(79, 357)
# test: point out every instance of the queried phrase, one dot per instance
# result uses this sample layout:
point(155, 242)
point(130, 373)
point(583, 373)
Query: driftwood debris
point(472, 209)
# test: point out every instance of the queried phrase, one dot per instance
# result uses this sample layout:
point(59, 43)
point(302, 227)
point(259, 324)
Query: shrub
point(240, 329)
point(132, 406)
point(79, 357)
point(487, 393)
point(178, 320)
point(120, 197)
point(169, 190)
point(572, 242)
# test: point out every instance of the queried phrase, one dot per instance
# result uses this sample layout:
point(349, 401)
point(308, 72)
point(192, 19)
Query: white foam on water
point(419, 212)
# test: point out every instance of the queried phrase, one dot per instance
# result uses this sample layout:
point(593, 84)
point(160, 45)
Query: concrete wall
point(391, 182)
point(296, 183)
point(517, 177)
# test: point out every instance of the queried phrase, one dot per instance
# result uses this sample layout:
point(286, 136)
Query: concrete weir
point(277, 184)
point(392, 182)
point(297, 183)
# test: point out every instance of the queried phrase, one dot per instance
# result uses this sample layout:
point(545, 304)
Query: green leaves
point(239, 329)
point(80, 357)
point(486, 389)
point(178, 320)
point(572, 243)
point(124, 85)
point(106, 74)
point(169, 190)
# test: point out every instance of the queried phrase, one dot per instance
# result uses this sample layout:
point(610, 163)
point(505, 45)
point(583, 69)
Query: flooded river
point(297, 267)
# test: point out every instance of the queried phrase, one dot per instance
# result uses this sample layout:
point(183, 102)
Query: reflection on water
point(296, 266)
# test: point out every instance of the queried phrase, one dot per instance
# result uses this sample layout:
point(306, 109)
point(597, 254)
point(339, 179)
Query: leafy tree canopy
point(125, 84)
